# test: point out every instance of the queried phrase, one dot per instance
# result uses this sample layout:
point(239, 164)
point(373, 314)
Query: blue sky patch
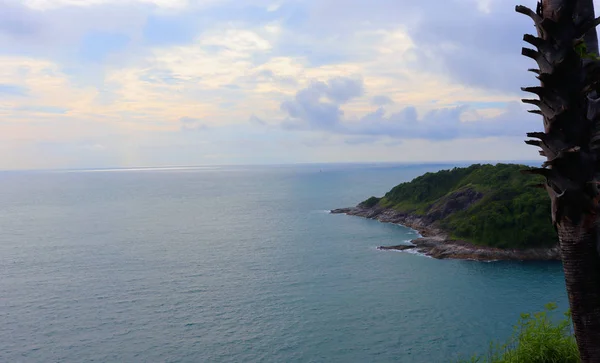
point(12, 90)
point(96, 46)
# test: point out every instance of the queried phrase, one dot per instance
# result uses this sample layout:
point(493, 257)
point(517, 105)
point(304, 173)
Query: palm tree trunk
point(585, 10)
point(570, 81)
point(582, 276)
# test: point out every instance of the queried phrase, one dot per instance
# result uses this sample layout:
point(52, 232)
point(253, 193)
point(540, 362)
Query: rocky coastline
point(436, 243)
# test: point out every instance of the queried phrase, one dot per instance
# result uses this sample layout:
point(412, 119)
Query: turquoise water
point(238, 265)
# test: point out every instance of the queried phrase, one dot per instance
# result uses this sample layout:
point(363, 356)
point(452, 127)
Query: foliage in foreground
point(536, 339)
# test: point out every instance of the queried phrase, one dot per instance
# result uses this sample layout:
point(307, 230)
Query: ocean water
point(238, 264)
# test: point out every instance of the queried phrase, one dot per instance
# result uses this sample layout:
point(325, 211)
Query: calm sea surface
point(234, 264)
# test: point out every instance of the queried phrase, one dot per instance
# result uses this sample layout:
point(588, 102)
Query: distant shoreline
point(436, 243)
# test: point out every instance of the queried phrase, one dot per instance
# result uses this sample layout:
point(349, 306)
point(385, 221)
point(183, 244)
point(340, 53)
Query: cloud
point(17, 20)
point(480, 49)
point(80, 72)
point(42, 109)
point(313, 108)
point(192, 124)
point(42, 87)
point(343, 89)
point(52, 4)
point(381, 100)
point(318, 104)
point(360, 140)
point(256, 121)
point(39, 31)
point(267, 75)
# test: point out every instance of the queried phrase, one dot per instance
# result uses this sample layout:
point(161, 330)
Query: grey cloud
point(17, 20)
point(478, 48)
point(343, 89)
point(481, 49)
point(360, 140)
point(55, 32)
point(309, 106)
point(308, 111)
point(381, 100)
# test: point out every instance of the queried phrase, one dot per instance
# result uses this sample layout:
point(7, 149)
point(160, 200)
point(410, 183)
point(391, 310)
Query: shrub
point(536, 339)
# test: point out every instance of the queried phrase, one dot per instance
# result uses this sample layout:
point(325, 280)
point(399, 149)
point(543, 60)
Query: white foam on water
point(413, 251)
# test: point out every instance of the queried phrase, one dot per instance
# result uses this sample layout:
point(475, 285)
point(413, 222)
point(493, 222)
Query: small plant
point(536, 339)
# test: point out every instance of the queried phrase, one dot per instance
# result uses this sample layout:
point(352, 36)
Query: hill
point(481, 205)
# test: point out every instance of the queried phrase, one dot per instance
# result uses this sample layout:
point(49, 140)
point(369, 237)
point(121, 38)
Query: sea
point(239, 264)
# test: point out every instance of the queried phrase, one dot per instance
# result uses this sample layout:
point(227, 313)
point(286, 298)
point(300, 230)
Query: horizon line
point(214, 166)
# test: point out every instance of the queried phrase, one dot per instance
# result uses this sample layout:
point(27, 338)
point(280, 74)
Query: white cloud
point(46, 86)
point(273, 7)
point(50, 4)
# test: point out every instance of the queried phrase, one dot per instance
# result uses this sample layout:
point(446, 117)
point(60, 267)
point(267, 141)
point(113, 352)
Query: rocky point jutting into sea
point(475, 202)
point(435, 242)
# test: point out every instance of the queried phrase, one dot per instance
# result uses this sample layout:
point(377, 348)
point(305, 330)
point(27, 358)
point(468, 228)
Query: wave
point(414, 251)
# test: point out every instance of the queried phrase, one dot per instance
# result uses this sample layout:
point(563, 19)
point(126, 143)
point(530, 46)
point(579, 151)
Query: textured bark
point(578, 245)
point(568, 102)
point(585, 9)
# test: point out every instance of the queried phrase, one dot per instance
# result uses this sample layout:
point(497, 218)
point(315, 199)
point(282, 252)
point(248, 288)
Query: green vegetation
point(492, 205)
point(371, 202)
point(536, 339)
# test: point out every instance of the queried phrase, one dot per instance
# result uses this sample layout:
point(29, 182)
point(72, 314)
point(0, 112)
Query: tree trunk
point(585, 9)
point(582, 275)
point(570, 81)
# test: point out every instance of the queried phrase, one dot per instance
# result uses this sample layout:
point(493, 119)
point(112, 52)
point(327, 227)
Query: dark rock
point(397, 248)
point(436, 242)
point(340, 211)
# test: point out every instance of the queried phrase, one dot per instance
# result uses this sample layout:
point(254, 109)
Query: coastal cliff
point(482, 213)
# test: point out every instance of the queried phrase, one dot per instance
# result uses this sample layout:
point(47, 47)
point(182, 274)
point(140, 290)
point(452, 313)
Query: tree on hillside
point(566, 49)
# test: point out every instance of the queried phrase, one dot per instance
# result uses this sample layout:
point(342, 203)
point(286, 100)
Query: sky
point(122, 83)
